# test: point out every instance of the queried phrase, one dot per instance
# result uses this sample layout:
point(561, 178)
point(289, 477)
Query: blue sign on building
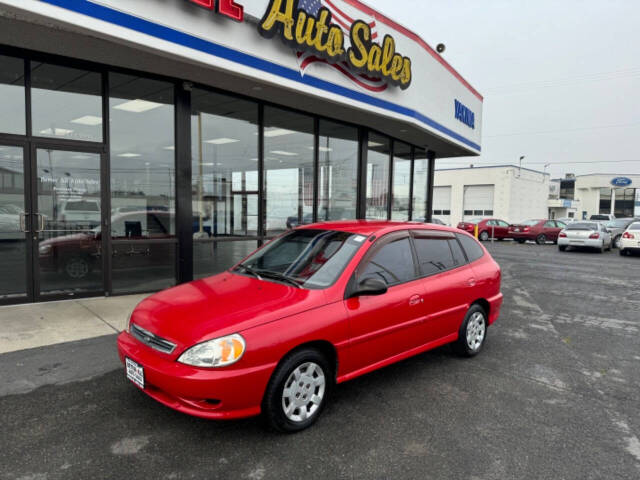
point(465, 115)
point(621, 182)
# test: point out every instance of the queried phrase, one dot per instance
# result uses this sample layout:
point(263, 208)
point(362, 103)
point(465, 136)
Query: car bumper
point(521, 235)
point(629, 244)
point(219, 394)
point(495, 303)
point(586, 243)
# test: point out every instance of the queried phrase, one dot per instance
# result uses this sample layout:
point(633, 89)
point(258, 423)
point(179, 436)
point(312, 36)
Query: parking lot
point(554, 395)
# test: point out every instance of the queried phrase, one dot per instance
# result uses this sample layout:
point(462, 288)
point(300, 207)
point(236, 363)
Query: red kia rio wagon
point(317, 306)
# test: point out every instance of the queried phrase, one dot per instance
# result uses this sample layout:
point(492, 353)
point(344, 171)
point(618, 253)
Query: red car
point(319, 305)
point(487, 227)
point(540, 231)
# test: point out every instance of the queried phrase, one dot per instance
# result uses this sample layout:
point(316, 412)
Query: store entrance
point(51, 241)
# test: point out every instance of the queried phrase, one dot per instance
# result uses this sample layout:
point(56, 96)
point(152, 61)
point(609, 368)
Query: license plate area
point(135, 372)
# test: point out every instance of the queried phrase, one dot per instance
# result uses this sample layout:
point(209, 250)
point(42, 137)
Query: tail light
point(525, 229)
point(628, 235)
point(594, 236)
point(562, 235)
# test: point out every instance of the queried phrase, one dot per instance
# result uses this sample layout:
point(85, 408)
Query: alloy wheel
point(476, 329)
point(77, 268)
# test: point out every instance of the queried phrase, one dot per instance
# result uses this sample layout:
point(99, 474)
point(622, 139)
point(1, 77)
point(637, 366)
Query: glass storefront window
point(338, 176)
point(401, 181)
point(224, 160)
point(66, 102)
point(12, 95)
point(420, 185)
point(378, 158)
point(624, 202)
point(605, 201)
point(142, 183)
point(288, 170)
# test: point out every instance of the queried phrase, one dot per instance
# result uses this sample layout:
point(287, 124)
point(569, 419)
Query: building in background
point(506, 192)
point(562, 199)
point(603, 194)
point(147, 143)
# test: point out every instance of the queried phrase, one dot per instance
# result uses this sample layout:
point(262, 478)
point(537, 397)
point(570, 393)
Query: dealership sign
point(621, 182)
point(464, 114)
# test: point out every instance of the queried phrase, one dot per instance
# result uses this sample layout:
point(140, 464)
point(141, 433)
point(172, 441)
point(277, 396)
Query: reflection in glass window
point(605, 200)
point(434, 255)
point(338, 151)
point(288, 169)
point(378, 158)
point(142, 146)
point(420, 180)
point(12, 118)
point(401, 181)
point(66, 102)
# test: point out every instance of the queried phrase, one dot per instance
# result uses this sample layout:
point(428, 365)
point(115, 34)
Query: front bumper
point(224, 393)
point(586, 242)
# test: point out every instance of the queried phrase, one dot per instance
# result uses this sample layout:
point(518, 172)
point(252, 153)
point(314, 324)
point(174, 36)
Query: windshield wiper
point(280, 276)
point(249, 270)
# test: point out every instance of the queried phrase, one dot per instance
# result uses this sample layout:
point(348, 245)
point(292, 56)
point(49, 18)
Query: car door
point(550, 230)
point(502, 229)
point(385, 325)
point(448, 282)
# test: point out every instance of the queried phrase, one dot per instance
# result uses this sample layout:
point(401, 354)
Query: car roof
point(370, 227)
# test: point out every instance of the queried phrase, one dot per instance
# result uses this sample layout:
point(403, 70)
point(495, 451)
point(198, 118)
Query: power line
point(544, 132)
point(551, 164)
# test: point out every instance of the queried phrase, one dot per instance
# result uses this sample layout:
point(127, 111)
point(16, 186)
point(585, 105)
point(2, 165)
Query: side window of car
point(434, 255)
point(392, 263)
point(560, 224)
point(458, 255)
point(471, 247)
point(502, 223)
point(550, 224)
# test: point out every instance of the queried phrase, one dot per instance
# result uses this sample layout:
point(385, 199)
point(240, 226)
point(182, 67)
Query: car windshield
point(309, 258)
point(530, 223)
point(82, 206)
point(582, 226)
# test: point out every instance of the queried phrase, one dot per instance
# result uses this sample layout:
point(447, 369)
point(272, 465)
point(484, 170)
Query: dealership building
point(147, 143)
point(506, 192)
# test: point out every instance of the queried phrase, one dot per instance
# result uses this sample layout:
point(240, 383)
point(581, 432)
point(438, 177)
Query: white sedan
point(586, 235)
point(630, 241)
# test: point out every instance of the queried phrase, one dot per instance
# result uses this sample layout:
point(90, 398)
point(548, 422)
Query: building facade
point(505, 192)
point(147, 143)
point(585, 195)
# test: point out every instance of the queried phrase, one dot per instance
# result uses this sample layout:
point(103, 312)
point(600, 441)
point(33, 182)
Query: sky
point(560, 79)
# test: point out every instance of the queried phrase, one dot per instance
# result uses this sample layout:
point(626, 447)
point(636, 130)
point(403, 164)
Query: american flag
point(343, 20)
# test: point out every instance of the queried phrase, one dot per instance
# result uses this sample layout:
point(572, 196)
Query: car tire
point(616, 241)
point(472, 333)
point(484, 236)
point(562, 248)
point(622, 252)
point(520, 241)
point(77, 267)
point(541, 239)
point(285, 395)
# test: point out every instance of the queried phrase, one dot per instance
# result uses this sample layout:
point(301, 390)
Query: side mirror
point(370, 287)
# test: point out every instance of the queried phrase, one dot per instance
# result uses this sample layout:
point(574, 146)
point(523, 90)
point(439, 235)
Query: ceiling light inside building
point(90, 120)
point(283, 153)
point(59, 132)
point(129, 155)
point(170, 148)
point(221, 141)
point(137, 106)
point(277, 132)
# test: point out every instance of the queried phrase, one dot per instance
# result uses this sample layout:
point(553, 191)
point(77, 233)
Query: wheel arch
point(484, 304)
point(325, 347)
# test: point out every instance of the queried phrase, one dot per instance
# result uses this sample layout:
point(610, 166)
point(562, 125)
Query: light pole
point(520, 167)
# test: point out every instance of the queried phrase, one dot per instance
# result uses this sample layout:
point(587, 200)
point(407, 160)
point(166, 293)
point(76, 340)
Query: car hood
point(72, 238)
point(220, 305)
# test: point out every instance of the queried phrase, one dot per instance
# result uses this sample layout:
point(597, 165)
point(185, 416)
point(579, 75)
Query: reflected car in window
point(315, 307)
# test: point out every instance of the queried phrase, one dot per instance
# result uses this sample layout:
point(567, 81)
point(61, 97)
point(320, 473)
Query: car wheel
point(562, 248)
point(472, 333)
point(484, 236)
point(297, 391)
point(77, 267)
point(622, 252)
point(520, 241)
point(616, 242)
point(541, 239)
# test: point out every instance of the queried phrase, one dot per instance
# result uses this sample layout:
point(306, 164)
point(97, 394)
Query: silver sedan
point(585, 235)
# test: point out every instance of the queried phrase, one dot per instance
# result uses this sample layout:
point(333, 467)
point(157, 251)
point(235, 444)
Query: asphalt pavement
point(555, 394)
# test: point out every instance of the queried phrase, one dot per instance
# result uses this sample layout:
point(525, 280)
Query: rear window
point(634, 226)
point(82, 206)
point(471, 247)
point(530, 223)
point(583, 226)
point(599, 217)
point(620, 223)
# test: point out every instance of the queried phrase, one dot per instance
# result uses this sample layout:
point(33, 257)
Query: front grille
point(154, 341)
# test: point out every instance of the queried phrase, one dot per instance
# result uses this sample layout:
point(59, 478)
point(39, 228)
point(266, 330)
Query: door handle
point(415, 300)
point(40, 222)
point(23, 222)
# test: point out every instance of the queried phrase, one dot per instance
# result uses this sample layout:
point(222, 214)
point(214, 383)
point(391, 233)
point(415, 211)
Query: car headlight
point(44, 249)
point(218, 352)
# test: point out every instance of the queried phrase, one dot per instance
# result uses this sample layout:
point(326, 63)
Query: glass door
point(14, 228)
point(67, 219)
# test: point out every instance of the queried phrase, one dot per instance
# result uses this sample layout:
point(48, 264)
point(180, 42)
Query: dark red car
point(487, 228)
point(539, 231)
point(319, 305)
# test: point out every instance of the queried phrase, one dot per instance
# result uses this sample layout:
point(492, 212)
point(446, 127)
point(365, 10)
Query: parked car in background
point(320, 305)
point(585, 235)
point(85, 212)
point(435, 221)
point(487, 228)
point(10, 228)
point(539, 231)
point(617, 227)
point(603, 217)
point(630, 240)
point(567, 220)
